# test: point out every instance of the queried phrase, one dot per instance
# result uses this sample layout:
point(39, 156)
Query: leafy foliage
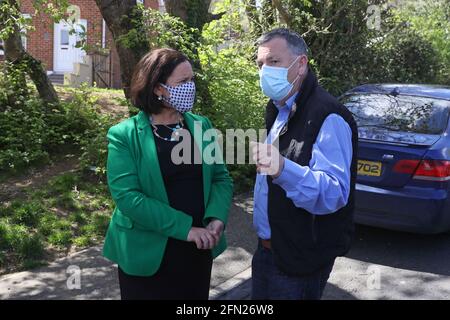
point(32, 131)
point(431, 23)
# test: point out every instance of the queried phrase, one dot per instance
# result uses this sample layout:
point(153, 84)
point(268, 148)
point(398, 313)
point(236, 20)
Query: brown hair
point(153, 68)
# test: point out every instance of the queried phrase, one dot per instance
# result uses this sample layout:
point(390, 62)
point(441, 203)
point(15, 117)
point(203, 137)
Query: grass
point(70, 212)
point(66, 213)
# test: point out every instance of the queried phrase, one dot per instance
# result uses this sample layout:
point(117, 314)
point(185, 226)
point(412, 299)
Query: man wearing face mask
point(306, 170)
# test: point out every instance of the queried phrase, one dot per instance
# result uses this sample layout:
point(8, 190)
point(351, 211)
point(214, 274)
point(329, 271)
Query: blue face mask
point(274, 81)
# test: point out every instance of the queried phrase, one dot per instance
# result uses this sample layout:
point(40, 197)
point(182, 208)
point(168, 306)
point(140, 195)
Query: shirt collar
point(289, 102)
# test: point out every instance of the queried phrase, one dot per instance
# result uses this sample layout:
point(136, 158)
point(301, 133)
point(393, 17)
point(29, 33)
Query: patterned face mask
point(182, 97)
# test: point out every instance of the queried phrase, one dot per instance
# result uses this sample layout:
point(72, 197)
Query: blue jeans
point(270, 283)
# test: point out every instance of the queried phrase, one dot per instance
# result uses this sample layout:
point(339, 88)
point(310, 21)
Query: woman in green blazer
point(169, 217)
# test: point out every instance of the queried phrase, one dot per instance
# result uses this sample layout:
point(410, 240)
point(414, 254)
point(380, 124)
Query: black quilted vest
point(302, 242)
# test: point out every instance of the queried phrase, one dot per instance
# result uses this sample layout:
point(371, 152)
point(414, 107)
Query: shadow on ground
point(98, 279)
point(409, 267)
point(422, 253)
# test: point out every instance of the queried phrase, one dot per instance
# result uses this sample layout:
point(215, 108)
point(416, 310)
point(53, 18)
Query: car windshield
point(401, 113)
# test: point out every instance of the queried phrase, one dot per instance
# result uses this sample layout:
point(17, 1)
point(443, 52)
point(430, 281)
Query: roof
point(423, 90)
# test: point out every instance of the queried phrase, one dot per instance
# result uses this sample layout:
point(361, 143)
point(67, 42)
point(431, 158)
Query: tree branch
point(287, 18)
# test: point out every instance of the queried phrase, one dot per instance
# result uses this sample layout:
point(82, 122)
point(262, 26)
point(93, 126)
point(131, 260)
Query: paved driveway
point(381, 265)
point(386, 265)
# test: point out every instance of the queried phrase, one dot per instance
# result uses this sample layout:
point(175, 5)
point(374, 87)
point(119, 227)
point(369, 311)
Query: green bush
point(406, 57)
point(78, 218)
point(89, 230)
point(47, 224)
point(94, 145)
point(237, 103)
point(63, 183)
point(60, 238)
point(34, 131)
point(57, 230)
point(82, 241)
point(28, 214)
point(24, 134)
point(100, 223)
point(87, 127)
point(24, 243)
point(14, 236)
point(25, 122)
point(31, 248)
point(3, 233)
point(431, 22)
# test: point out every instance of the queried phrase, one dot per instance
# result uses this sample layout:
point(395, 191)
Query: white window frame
point(24, 36)
point(103, 34)
point(161, 6)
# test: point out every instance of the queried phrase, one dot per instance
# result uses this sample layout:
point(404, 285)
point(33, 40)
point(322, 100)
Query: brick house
point(54, 45)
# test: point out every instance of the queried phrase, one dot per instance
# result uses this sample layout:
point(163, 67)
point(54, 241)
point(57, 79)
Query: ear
point(303, 64)
point(159, 90)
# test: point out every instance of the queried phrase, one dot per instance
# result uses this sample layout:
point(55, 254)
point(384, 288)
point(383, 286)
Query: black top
point(183, 182)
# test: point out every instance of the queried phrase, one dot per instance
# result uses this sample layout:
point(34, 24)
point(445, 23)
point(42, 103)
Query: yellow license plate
point(369, 168)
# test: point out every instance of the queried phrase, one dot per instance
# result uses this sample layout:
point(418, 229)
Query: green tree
point(12, 23)
point(125, 21)
point(431, 23)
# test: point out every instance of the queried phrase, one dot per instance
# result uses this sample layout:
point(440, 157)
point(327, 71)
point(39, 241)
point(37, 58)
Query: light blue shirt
point(322, 187)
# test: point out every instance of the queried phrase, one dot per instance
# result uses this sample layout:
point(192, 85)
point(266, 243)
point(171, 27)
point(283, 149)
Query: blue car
point(403, 178)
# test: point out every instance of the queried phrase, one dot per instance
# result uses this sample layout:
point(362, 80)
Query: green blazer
point(143, 220)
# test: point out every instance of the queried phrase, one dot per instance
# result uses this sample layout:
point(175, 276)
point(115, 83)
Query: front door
point(65, 51)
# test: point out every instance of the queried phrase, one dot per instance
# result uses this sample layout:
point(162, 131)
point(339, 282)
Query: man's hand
point(203, 238)
point(267, 158)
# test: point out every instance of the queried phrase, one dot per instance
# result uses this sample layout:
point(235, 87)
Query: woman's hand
point(216, 227)
point(203, 238)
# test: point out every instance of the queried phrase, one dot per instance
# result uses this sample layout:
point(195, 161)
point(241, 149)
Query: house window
point(64, 37)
